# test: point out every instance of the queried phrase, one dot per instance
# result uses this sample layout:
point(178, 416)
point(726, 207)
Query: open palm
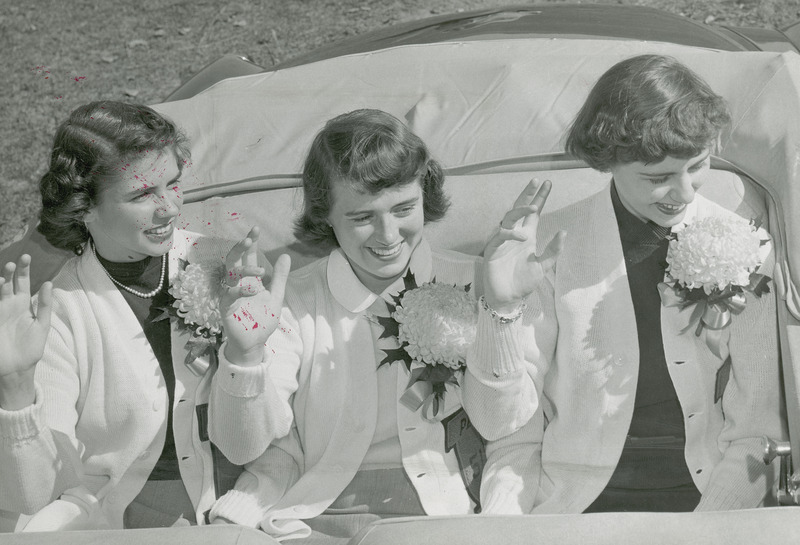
point(23, 333)
point(512, 269)
point(251, 313)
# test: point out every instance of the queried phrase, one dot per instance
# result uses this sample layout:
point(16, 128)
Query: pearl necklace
point(137, 293)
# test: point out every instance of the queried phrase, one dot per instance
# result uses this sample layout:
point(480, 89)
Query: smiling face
point(660, 192)
point(134, 217)
point(378, 233)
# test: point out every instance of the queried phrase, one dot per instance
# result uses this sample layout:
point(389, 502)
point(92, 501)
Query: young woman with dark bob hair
point(357, 451)
point(101, 412)
point(615, 404)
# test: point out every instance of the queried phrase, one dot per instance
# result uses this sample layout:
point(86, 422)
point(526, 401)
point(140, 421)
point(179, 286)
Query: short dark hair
point(371, 150)
point(87, 148)
point(644, 109)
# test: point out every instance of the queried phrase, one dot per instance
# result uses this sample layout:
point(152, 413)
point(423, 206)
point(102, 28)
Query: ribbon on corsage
point(193, 305)
point(434, 325)
point(711, 264)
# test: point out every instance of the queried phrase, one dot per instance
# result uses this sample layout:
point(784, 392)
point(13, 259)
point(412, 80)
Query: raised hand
point(251, 313)
point(511, 268)
point(23, 333)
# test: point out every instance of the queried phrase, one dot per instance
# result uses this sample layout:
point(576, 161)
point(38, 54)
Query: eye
point(361, 220)
point(699, 166)
point(657, 181)
point(141, 197)
point(404, 211)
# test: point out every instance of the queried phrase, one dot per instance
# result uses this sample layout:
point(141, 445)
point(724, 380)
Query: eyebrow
point(657, 174)
point(149, 186)
point(355, 213)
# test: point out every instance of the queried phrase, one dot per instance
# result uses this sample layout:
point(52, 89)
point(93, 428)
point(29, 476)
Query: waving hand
point(23, 333)
point(249, 312)
point(511, 267)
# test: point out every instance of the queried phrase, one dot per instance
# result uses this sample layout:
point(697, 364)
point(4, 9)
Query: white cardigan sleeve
point(40, 456)
point(250, 406)
point(751, 407)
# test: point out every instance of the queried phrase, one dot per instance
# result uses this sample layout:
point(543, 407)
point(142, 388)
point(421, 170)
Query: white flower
point(438, 322)
point(714, 252)
point(197, 291)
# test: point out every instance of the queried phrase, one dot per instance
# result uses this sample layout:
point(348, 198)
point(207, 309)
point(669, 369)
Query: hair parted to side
point(88, 148)
point(371, 150)
point(644, 109)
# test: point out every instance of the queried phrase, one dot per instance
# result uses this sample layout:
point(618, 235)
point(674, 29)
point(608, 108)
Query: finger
point(526, 197)
point(45, 308)
point(7, 288)
point(277, 286)
point(554, 247)
point(22, 280)
point(538, 203)
point(541, 195)
point(251, 254)
point(511, 217)
point(235, 255)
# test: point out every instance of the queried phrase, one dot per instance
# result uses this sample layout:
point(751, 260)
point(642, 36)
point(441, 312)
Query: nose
point(386, 231)
point(169, 204)
point(683, 191)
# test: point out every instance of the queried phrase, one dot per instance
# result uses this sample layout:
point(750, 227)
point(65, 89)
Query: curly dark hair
point(87, 148)
point(371, 150)
point(644, 109)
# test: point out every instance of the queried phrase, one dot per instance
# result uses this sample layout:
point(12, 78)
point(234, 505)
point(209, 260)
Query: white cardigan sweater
point(322, 364)
point(571, 393)
point(97, 427)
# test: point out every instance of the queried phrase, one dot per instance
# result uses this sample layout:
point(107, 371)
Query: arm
point(509, 410)
point(249, 400)
point(499, 385)
point(250, 406)
point(37, 462)
point(752, 408)
point(40, 456)
point(262, 484)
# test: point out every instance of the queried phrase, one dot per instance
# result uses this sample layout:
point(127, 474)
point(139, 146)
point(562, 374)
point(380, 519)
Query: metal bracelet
point(499, 317)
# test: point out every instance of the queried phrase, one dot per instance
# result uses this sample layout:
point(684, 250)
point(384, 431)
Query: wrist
point(17, 390)
point(243, 357)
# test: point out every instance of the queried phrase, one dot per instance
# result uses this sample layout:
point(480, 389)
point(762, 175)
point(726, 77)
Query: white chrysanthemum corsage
point(437, 324)
point(197, 290)
point(713, 253)
point(711, 263)
point(434, 324)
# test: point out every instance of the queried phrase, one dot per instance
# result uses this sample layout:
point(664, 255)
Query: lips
point(670, 209)
point(159, 232)
point(386, 253)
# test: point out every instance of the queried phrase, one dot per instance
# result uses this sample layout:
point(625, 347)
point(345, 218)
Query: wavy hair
point(644, 109)
point(88, 147)
point(371, 150)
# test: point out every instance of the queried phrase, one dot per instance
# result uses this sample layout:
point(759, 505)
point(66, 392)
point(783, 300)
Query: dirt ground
point(58, 55)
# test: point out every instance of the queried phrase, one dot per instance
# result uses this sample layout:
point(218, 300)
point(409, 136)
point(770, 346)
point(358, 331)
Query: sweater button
point(155, 406)
point(145, 455)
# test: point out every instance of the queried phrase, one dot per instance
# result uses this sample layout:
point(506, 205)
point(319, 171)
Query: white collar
point(348, 290)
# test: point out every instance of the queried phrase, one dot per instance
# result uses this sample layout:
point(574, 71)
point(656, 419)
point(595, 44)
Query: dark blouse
point(651, 474)
point(143, 276)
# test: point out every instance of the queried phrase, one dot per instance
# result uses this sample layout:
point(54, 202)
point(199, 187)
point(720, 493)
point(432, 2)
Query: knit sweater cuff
point(242, 380)
point(716, 498)
point(239, 508)
point(497, 351)
point(23, 424)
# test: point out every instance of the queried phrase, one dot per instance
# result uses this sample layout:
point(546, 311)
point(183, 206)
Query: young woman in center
point(355, 453)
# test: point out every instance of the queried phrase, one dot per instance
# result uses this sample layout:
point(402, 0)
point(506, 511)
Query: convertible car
point(491, 93)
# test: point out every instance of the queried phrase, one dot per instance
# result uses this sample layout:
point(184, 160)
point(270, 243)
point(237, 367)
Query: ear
point(90, 216)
